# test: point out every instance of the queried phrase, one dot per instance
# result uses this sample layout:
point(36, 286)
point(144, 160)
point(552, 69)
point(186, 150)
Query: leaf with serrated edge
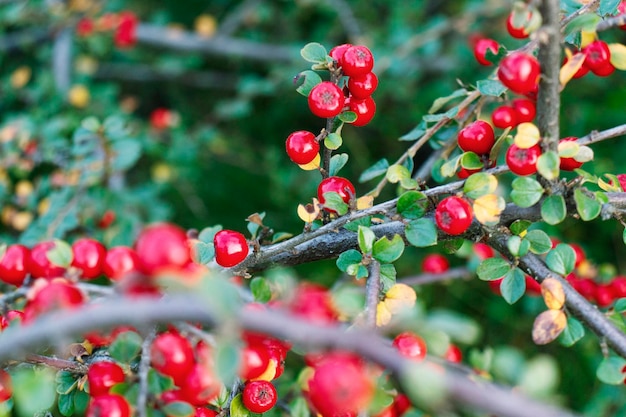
point(553, 294)
point(548, 326)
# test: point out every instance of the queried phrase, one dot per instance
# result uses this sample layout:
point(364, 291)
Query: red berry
point(255, 359)
point(532, 286)
point(231, 248)
point(598, 56)
point(313, 302)
point(454, 215)
point(618, 286)
point(357, 61)
point(453, 354)
point(621, 8)
point(119, 261)
point(504, 116)
point(259, 396)
point(480, 50)
point(525, 110)
point(477, 137)
point(160, 118)
point(435, 263)
point(326, 100)
point(6, 388)
point(523, 161)
point(171, 396)
point(204, 412)
point(9, 317)
point(109, 405)
point(363, 86)
point(46, 296)
point(410, 345)
point(337, 53)
point(107, 218)
point(302, 147)
point(102, 376)
point(162, 246)
point(364, 109)
point(125, 34)
point(200, 385)
point(339, 185)
point(586, 287)
point(519, 72)
point(569, 164)
point(84, 27)
point(483, 251)
point(401, 404)
point(465, 173)
point(622, 181)
point(605, 70)
point(89, 256)
point(14, 265)
point(39, 265)
point(604, 295)
point(516, 32)
point(172, 355)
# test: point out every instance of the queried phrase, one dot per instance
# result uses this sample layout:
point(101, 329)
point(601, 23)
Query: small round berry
point(365, 110)
point(110, 405)
point(453, 354)
point(339, 185)
point(435, 263)
point(357, 61)
point(204, 412)
point(523, 161)
point(465, 173)
point(6, 388)
point(14, 265)
point(410, 345)
point(10, 317)
point(39, 265)
point(363, 86)
point(516, 32)
point(46, 296)
point(480, 50)
point(504, 117)
point(161, 246)
point(126, 33)
point(89, 256)
point(569, 164)
point(172, 355)
point(161, 118)
point(519, 72)
point(337, 52)
point(454, 215)
point(231, 248)
point(302, 147)
point(119, 261)
point(598, 56)
point(477, 137)
point(525, 110)
point(200, 385)
point(254, 362)
point(102, 376)
point(326, 100)
point(259, 396)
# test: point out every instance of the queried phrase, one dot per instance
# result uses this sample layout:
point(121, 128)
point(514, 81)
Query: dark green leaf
point(452, 245)
point(126, 347)
point(610, 370)
point(588, 207)
point(309, 80)
point(336, 163)
point(81, 400)
point(353, 226)
point(492, 268)
point(376, 170)
point(490, 88)
point(553, 210)
point(347, 258)
point(561, 259)
point(513, 285)
point(65, 404)
point(65, 382)
point(526, 191)
point(387, 250)
point(333, 201)
point(421, 233)
point(412, 204)
point(178, 409)
point(620, 305)
point(572, 333)
point(33, 390)
point(432, 118)
point(158, 383)
point(314, 52)
point(387, 276)
point(586, 22)
point(519, 226)
point(539, 240)
point(608, 7)
point(348, 117)
point(260, 289)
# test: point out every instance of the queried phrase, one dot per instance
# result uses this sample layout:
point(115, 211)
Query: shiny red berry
point(357, 61)
point(525, 110)
point(6, 387)
point(172, 355)
point(453, 354)
point(160, 118)
point(200, 386)
point(14, 264)
point(102, 376)
point(119, 261)
point(39, 265)
point(435, 263)
point(337, 52)
point(162, 246)
point(598, 56)
point(89, 256)
point(516, 32)
point(454, 215)
point(126, 33)
point(477, 137)
point(519, 72)
point(47, 296)
point(231, 248)
point(326, 100)
point(569, 164)
point(339, 185)
point(109, 405)
point(254, 361)
point(302, 147)
point(363, 86)
point(259, 396)
point(523, 161)
point(465, 173)
point(410, 345)
point(504, 117)
point(480, 50)
point(204, 412)
point(365, 110)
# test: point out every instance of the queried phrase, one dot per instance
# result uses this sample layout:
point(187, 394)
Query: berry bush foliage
point(198, 220)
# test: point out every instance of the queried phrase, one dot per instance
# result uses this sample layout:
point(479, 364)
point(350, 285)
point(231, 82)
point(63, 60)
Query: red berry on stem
point(172, 355)
point(200, 386)
point(504, 116)
point(523, 161)
point(519, 72)
point(109, 405)
point(465, 173)
point(39, 265)
point(569, 164)
point(604, 295)
point(598, 57)
point(326, 100)
point(339, 185)
point(89, 256)
point(313, 302)
point(477, 137)
point(231, 248)
point(480, 50)
point(102, 376)
point(161, 246)
point(14, 265)
point(410, 345)
point(516, 32)
point(255, 359)
point(364, 109)
point(337, 52)
point(525, 110)
point(259, 396)
point(357, 61)
point(363, 86)
point(119, 261)
point(621, 8)
point(302, 147)
point(435, 263)
point(454, 215)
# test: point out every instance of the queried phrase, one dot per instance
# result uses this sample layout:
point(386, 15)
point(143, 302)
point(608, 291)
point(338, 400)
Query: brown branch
point(56, 363)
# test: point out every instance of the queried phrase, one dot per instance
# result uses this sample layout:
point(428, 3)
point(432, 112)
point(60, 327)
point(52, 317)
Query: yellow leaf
point(364, 202)
point(310, 212)
point(383, 315)
point(314, 164)
point(399, 297)
point(568, 149)
point(20, 77)
point(548, 326)
point(527, 135)
point(618, 55)
point(587, 37)
point(571, 67)
point(78, 96)
point(487, 208)
point(205, 25)
point(552, 292)
point(584, 154)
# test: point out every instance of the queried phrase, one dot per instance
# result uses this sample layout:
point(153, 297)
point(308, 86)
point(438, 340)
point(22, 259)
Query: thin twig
point(56, 363)
point(372, 293)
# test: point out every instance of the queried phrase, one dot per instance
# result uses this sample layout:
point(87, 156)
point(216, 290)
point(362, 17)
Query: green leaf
point(353, 226)
point(480, 184)
point(387, 276)
point(610, 370)
point(517, 246)
point(519, 226)
point(539, 240)
point(336, 163)
point(203, 252)
point(280, 236)
point(513, 285)
point(586, 22)
point(421, 233)
point(347, 258)
point(157, 383)
point(553, 210)
point(298, 407)
point(65, 403)
point(314, 52)
point(348, 116)
point(620, 305)
point(260, 289)
point(366, 239)
point(526, 191)
point(387, 250)
point(60, 254)
point(81, 400)
point(358, 271)
point(33, 390)
point(449, 168)
point(412, 204)
point(237, 409)
point(125, 153)
point(469, 160)
point(450, 246)
point(376, 170)
point(442, 101)
point(333, 141)
point(178, 409)
point(608, 7)
point(561, 259)
point(572, 333)
point(548, 165)
point(333, 201)
point(588, 207)
point(309, 80)
point(492, 268)
point(65, 382)
point(227, 361)
point(396, 173)
point(208, 233)
point(432, 118)
point(126, 347)
point(416, 133)
point(491, 88)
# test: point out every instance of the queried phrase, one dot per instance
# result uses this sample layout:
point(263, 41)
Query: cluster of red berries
point(520, 110)
point(597, 59)
point(123, 24)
